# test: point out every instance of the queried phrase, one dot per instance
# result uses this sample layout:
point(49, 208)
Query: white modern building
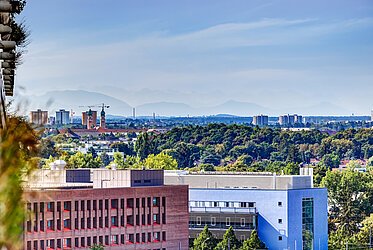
point(289, 212)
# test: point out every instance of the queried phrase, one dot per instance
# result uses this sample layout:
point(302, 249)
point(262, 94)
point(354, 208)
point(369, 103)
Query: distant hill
point(72, 99)
point(237, 108)
point(165, 109)
point(322, 109)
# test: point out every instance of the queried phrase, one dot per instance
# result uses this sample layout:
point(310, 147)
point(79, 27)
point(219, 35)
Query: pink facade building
point(144, 214)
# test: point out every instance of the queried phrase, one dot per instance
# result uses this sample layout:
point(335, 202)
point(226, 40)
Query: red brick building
point(134, 217)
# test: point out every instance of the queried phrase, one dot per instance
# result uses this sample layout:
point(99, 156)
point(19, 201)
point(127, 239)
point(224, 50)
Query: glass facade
point(307, 223)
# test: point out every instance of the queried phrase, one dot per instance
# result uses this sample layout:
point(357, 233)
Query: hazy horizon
point(277, 54)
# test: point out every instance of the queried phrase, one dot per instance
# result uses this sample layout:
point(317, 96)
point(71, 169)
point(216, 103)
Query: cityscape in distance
point(175, 125)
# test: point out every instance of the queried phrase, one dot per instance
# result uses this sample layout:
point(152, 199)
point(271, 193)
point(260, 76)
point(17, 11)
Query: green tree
point(205, 240)
point(349, 193)
point(80, 160)
point(253, 243)
point(144, 145)
point(97, 247)
point(229, 238)
point(104, 159)
point(160, 161)
point(365, 232)
point(331, 160)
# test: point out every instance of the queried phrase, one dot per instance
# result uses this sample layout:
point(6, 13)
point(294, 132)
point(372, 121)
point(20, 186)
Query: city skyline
point(272, 53)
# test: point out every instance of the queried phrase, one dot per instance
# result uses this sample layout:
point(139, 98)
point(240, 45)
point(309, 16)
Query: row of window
point(197, 221)
point(100, 222)
point(221, 204)
point(225, 204)
point(90, 241)
point(100, 204)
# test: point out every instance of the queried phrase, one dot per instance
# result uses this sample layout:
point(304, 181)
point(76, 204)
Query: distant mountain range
point(74, 99)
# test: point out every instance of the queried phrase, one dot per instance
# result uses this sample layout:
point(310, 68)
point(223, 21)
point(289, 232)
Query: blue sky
point(278, 54)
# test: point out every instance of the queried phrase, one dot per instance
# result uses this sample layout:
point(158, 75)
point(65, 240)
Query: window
point(82, 205)
point(143, 237)
point(76, 242)
point(114, 221)
point(156, 201)
point(227, 204)
point(227, 221)
point(279, 204)
point(106, 239)
point(149, 237)
point(137, 238)
point(130, 203)
point(114, 239)
point(67, 205)
point(157, 236)
point(156, 219)
point(199, 220)
point(279, 238)
point(67, 224)
point(213, 221)
point(50, 225)
point(163, 201)
point(242, 237)
point(131, 238)
point(242, 222)
point(106, 204)
point(279, 221)
point(50, 206)
point(82, 241)
point(163, 236)
point(130, 220)
point(307, 223)
point(251, 204)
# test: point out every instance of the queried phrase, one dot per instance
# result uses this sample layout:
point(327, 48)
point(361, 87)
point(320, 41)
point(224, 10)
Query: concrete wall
point(243, 181)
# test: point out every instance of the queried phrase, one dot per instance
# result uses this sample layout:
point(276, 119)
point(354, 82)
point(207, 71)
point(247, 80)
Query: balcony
point(228, 210)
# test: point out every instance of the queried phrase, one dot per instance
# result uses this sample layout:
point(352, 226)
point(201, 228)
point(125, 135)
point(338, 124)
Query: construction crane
point(101, 105)
point(92, 123)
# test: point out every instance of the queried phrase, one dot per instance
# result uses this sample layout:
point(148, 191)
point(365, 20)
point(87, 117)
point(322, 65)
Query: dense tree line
point(242, 147)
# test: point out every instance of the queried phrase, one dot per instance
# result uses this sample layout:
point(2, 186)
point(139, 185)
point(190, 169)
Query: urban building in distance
point(102, 119)
point(121, 209)
point(289, 120)
point(287, 211)
point(62, 117)
point(260, 120)
point(39, 117)
point(89, 118)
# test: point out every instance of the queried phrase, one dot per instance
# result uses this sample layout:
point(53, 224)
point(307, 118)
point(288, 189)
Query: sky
point(275, 53)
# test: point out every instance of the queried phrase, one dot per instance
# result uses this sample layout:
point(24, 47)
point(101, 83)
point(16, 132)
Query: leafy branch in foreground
point(18, 151)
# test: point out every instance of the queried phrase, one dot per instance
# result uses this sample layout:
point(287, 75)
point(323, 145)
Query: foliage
point(80, 160)
point(223, 145)
point(160, 161)
point(205, 240)
point(253, 242)
point(18, 149)
point(97, 247)
point(350, 195)
point(229, 238)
